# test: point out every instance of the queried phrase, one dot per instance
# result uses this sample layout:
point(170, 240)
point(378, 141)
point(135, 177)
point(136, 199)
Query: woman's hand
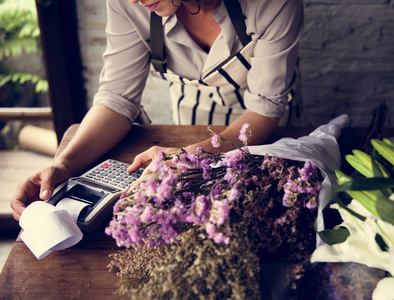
point(40, 186)
point(147, 156)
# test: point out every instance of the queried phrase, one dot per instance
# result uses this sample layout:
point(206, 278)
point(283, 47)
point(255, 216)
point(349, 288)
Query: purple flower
point(163, 193)
point(192, 158)
point(150, 186)
point(180, 210)
point(215, 140)
point(244, 133)
point(132, 211)
point(175, 160)
point(147, 215)
point(216, 192)
point(230, 177)
point(201, 205)
point(312, 204)
point(289, 193)
point(307, 171)
point(170, 178)
point(205, 165)
point(168, 233)
point(219, 212)
point(234, 193)
point(217, 236)
point(182, 167)
point(212, 191)
point(210, 229)
point(199, 150)
point(232, 159)
point(134, 235)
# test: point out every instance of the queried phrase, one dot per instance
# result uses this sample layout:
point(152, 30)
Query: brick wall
point(346, 55)
point(347, 59)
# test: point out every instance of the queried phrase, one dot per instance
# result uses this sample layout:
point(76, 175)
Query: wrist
point(70, 166)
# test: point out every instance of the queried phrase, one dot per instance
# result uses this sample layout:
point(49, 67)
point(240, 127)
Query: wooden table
point(81, 271)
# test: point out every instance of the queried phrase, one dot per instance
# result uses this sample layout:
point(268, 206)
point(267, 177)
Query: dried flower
point(215, 140)
point(229, 210)
point(212, 192)
point(245, 133)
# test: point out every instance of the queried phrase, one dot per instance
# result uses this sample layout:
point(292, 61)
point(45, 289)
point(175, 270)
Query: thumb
point(140, 160)
point(136, 164)
point(47, 185)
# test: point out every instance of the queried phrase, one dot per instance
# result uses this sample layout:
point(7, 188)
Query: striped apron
point(216, 99)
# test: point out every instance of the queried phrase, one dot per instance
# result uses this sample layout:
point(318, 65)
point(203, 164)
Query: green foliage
point(334, 236)
point(19, 33)
point(22, 77)
point(374, 191)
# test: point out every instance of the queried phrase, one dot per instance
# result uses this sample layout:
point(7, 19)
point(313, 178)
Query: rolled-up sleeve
point(272, 74)
point(126, 64)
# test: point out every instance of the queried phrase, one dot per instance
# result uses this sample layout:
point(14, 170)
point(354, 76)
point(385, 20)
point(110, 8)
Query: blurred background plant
point(19, 33)
point(22, 76)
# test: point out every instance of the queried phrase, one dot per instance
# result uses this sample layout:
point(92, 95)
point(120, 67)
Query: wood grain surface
point(81, 272)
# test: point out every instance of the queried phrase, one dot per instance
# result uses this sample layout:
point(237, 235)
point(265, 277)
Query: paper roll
point(73, 207)
point(47, 228)
point(38, 139)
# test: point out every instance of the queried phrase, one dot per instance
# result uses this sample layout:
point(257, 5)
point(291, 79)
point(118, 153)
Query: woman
point(217, 75)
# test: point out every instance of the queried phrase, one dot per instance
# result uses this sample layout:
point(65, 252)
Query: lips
point(152, 7)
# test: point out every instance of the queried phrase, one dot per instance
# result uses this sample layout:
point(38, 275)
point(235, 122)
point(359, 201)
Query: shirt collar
point(224, 44)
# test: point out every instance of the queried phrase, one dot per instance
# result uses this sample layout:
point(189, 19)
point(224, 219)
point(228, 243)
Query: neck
point(201, 27)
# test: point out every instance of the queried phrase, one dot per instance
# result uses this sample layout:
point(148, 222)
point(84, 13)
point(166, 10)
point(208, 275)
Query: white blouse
point(275, 26)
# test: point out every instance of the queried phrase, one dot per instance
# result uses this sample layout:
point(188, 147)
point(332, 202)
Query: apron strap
point(157, 40)
point(158, 58)
point(238, 19)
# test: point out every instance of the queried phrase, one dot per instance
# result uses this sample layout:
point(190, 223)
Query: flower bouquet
point(199, 226)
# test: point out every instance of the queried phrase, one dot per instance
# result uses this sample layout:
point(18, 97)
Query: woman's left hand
point(147, 156)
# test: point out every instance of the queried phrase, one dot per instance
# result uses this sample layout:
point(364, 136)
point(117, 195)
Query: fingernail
point(46, 194)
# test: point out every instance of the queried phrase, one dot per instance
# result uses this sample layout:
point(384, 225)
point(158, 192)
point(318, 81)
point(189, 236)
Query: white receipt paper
point(47, 228)
point(73, 207)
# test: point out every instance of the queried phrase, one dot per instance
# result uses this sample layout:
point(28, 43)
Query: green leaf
point(385, 209)
point(376, 171)
point(21, 78)
point(350, 211)
point(359, 165)
point(366, 198)
point(42, 86)
point(376, 168)
point(382, 245)
point(366, 184)
point(334, 236)
point(385, 150)
point(388, 142)
point(4, 80)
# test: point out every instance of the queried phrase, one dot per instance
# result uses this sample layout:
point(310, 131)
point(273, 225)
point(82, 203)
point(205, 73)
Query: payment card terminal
point(90, 198)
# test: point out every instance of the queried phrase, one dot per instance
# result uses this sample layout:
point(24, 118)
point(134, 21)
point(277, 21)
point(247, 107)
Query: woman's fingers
point(37, 187)
point(48, 177)
point(147, 156)
point(140, 160)
point(26, 193)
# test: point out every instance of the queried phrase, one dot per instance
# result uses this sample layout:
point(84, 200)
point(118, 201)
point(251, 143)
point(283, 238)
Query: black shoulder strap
point(158, 58)
point(157, 39)
point(238, 19)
